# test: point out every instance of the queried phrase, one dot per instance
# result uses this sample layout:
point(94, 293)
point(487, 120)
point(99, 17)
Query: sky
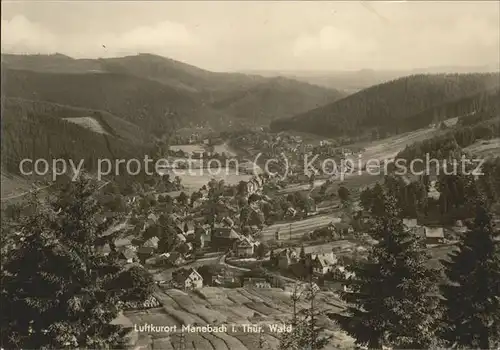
point(265, 35)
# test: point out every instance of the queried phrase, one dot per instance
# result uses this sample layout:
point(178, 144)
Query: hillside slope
point(40, 130)
point(178, 74)
point(384, 106)
point(156, 93)
point(110, 124)
point(485, 102)
point(152, 106)
point(276, 98)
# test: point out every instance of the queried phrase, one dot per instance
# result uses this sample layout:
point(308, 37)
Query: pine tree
point(306, 334)
point(472, 294)
point(302, 254)
point(55, 282)
point(392, 295)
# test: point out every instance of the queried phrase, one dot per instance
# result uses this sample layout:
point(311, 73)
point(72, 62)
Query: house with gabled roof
point(343, 228)
point(152, 242)
point(144, 253)
point(227, 222)
point(434, 235)
point(224, 237)
point(152, 219)
point(410, 223)
point(181, 238)
point(188, 278)
point(225, 279)
point(256, 282)
point(190, 226)
point(286, 258)
point(203, 232)
point(433, 190)
point(340, 274)
point(323, 263)
point(175, 259)
point(244, 249)
point(137, 241)
point(104, 249)
point(127, 255)
point(291, 212)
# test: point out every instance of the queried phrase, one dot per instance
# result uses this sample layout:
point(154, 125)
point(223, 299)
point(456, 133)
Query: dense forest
point(152, 106)
point(480, 106)
point(451, 143)
point(36, 130)
point(159, 94)
point(161, 69)
point(275, 98)
point(391, 106)
point(396, 298)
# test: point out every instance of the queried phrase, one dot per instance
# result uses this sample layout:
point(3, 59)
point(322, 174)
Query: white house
point(189, 279)
point(410, 223)
point(256, 283)
point(322, 263)
point(434, 235)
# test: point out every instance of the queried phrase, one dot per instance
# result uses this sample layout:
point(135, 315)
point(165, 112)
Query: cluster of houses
point(433, 235)
point(321, 263)
point(192, 233)
point(226, 238)
point(191, 279)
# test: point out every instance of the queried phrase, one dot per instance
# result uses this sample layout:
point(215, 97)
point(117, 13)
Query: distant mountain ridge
point(356, 80)
point(388, 107)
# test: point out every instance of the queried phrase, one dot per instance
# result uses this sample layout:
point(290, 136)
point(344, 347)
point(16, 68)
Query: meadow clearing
point(89, 123)
point(485, 148)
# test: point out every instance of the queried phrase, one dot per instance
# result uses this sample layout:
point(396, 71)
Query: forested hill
point(485, 102)
point(147, 66)
point(276, 98)
point(158, 93)
point(148, 104)
point(388, 107)
point(41, 130)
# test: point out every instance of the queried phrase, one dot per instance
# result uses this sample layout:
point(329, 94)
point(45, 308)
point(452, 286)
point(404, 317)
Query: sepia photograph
point(247, 175)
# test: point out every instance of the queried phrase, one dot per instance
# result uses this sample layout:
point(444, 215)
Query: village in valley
point(222, 175)
point(240, 249)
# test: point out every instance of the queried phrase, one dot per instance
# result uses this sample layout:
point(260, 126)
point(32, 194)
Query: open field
point(338, 245)
point(297, 228)
point(300, 187)
point(391, 146)
point(13, 186)
point(89, 123)
point(225, 148)
point(232, 307)
point(187, 148)
point(485, 148)
point(194, 179)
point(199, 177)
point(451, 121)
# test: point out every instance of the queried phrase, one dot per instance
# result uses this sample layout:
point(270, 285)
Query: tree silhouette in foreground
point(392, 295)
point(306, 334)
point(472, 294)
point(55, 286)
